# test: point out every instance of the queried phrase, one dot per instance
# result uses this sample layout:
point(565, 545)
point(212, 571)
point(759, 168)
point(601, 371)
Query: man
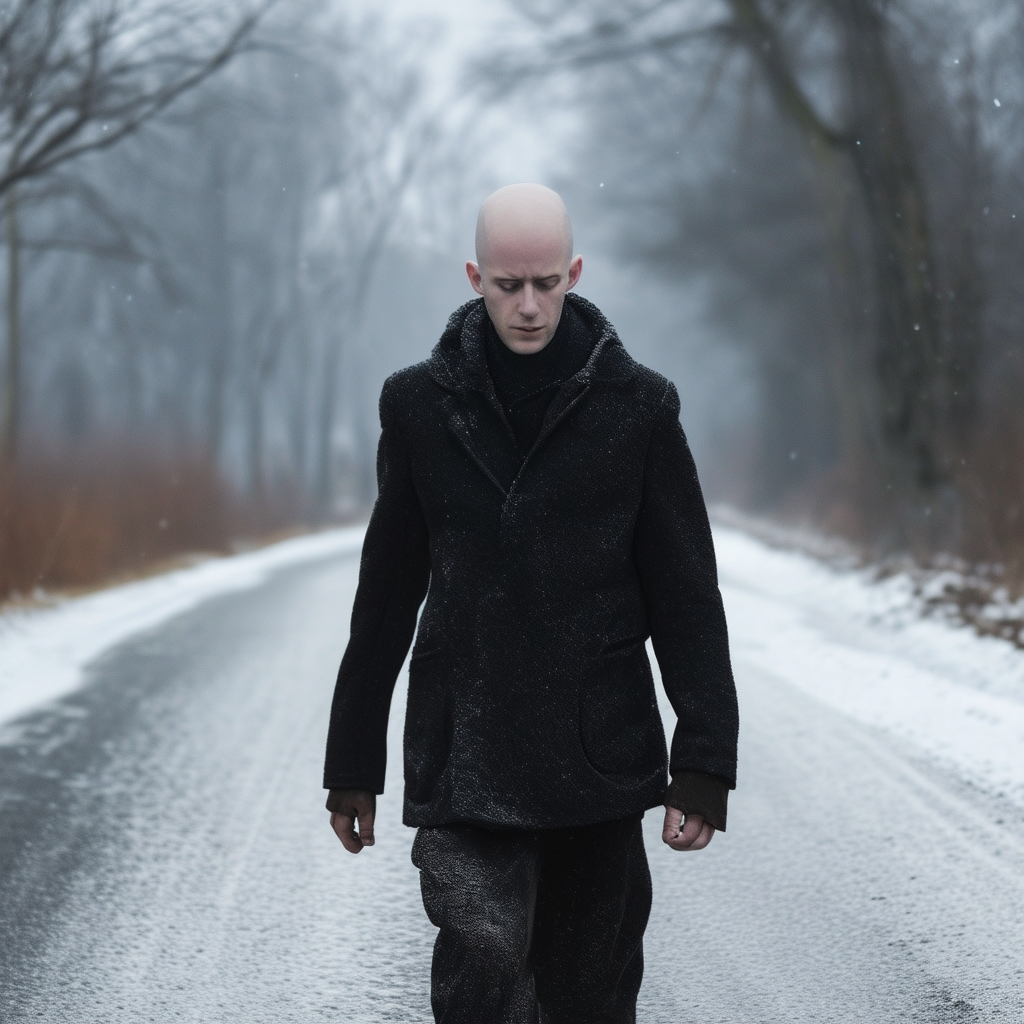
point(535, 485)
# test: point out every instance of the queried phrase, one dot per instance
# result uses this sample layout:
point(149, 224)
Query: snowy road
point(164, 854)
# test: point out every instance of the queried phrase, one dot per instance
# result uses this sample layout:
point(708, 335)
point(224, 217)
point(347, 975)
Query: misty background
point(226, 224)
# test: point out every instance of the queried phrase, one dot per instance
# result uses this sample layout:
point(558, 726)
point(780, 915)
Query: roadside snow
point(864, 648)
point(43, 651)
point(860, 646)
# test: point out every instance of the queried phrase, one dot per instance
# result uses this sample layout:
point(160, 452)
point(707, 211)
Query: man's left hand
point(692, 834)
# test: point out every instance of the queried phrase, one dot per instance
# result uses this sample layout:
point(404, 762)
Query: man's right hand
point(354, 805)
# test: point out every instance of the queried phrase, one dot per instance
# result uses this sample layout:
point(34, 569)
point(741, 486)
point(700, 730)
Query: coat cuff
point(697, 793)
point(334, 796)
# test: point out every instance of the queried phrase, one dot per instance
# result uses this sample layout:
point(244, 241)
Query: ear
point(475, 279)
point(575, 269)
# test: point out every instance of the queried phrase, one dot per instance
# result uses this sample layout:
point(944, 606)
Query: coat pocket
point(428, 729)
point(620, 727)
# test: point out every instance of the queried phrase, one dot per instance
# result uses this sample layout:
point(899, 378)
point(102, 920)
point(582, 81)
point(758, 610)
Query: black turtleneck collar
point(516, 376)
point(525, 384)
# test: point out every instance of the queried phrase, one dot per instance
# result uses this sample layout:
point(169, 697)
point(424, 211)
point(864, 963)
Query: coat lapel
point(461, 423)
point(474, 414)
point(608, 364)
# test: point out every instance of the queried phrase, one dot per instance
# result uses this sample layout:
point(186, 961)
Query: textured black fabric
point(525, 385)
point(696, 793)
point(531, 699)
point(689, 792)
point(536, 926)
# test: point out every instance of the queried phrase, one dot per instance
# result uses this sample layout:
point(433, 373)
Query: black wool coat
point(531, 699)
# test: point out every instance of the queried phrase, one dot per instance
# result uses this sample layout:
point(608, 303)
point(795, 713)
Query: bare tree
point(78, 76)
point(392, 137)
point(203, 287)
point(831, 70)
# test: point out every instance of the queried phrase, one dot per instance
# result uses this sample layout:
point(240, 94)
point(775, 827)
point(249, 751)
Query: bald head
point(524, 264)
point(522, 221)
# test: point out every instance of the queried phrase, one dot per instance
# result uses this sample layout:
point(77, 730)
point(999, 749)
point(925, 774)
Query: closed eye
point(513, 284)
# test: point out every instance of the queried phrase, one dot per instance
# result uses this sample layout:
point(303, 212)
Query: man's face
point(523, 282)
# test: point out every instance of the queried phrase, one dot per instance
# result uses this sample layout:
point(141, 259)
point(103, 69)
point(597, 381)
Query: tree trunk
point(297, 400)
point(907, 412)
point(255, 459)
point(326, 412)
point(12, 380)
point(221, 320)
point(965, 296)
point(909, 361)
point(357, 296)
point(860, 438)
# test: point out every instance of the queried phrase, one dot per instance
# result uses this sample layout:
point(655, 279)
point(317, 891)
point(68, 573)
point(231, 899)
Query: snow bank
point(858, 645)
point(43, 651)
point(864, 648)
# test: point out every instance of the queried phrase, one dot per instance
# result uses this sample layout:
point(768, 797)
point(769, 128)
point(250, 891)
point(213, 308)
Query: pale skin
point(524, 267)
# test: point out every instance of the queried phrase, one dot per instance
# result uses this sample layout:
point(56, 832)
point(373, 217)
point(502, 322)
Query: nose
point(528, 306)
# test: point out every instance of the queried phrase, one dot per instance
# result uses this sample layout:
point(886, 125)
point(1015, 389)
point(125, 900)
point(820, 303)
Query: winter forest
point(225, 224)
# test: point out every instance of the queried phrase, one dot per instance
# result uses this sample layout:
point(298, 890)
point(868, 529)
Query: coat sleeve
point(393, 575)
point(675, 558)
point(697, 793)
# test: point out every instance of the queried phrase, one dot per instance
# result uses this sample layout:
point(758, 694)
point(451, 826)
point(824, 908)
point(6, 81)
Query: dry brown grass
point(74, 519)
point(993, 487)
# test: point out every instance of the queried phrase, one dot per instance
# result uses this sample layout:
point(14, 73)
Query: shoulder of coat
point(612, 364)
point(406, 378)
point(446, 364)
point(651, 389)
point(650, 380)
point(451, 337)
point(402, 388)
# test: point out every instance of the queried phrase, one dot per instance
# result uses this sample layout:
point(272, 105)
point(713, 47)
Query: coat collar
point(459, 360)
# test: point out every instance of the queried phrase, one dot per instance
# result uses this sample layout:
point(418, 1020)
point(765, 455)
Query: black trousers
point(541, 927)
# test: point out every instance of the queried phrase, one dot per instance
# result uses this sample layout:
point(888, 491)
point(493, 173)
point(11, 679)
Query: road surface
point(165, 855)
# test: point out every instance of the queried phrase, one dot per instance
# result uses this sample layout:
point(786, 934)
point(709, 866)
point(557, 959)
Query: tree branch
point(766, 48)
point(114, 95)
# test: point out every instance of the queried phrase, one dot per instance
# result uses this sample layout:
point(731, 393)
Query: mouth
point(528, 330)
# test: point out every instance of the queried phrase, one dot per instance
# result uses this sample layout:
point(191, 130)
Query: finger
point(707, 833)
point(366, 819)
point(673, 822)
point(692, 825)
point(343, 829)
